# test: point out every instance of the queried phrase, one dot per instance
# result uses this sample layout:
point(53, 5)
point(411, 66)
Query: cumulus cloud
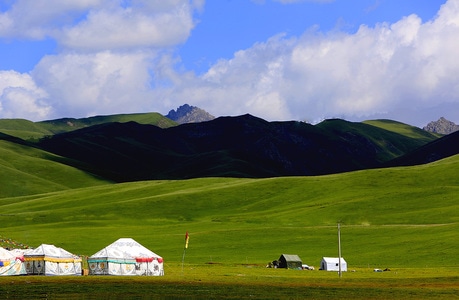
point(131, 27)
point(106, 51)
point(407, 65)
point(20, 97)
point(118, 56)
point(88, 84)
point(101, 24)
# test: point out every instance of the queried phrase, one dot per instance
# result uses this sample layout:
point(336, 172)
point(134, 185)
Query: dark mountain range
point(189, 114)
point(442, 126)
point(243, 146)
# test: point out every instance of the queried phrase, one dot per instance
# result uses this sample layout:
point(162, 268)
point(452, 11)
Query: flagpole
point(187, 238)
point(339, 250)
point(183, 258)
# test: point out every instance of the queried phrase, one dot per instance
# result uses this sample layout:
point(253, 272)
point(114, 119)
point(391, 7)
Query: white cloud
point(106, 50)
point(21, 98)
point(82, 85)
point(117, 56)
point(408, 65)
point(131, 27)
point(98, 25)
point(38, 19)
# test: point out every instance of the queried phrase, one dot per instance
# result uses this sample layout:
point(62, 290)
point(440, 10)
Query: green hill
point(27, 171)
point(402, 128)
point(70, 124)
point(395, 138)
point(29, 130)
point(395, 217)
point(23, 129)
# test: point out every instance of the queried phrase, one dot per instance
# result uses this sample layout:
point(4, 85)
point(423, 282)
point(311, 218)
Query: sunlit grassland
point(399, 217)
point(26, 170)
point(403, 219)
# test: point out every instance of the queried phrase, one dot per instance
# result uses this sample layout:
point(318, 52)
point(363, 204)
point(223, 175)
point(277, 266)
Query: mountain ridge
point(127, 147)
point(241, 146)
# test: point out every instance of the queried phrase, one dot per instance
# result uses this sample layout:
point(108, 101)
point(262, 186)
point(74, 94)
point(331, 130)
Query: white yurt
point(125, 257)
point(10, 264)
point(51, 260)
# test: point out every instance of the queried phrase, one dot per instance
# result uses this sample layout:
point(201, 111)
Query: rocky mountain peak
point(189, 114)
point(442, 126)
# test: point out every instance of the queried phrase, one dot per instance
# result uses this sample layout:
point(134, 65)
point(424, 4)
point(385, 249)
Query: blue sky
point(228, 26)
point(302, 60)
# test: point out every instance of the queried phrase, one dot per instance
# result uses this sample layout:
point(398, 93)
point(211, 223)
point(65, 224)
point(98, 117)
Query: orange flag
point(187, 238)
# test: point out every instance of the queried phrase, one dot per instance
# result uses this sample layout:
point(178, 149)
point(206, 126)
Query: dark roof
point(290, 257)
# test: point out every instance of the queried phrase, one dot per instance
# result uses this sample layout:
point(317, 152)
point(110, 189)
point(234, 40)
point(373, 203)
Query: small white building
point(332, 264)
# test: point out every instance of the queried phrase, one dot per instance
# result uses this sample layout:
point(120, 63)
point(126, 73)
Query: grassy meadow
point(212, 281)
point(398, 217)
point(30, 171)
point(405, 219)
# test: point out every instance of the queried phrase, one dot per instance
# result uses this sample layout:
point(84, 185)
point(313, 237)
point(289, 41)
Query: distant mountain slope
point(243, 146)
point(23, 129)
point(189, 114)
point(69, 124)
point(443, 147)
point(29, 130)
point(387, 139)
point(403, 129)
point(26, 170)
point(442, 126)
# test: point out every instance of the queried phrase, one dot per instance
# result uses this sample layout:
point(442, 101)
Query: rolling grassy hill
point(70, 124)
point(386, 138)
point(394, 217)
point(29, 130)
point(26, 170)
point(402, 128)
point(23, 129)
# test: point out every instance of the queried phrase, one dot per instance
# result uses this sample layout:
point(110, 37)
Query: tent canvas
point(290, 261)
point(125, 257)
point(332, 264)
point(51, 260)
point(10, 264)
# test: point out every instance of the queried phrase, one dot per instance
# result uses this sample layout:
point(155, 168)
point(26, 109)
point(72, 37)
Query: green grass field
point(405, 219)
point(29, 171)
point(390, 217)
point(215, 281)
